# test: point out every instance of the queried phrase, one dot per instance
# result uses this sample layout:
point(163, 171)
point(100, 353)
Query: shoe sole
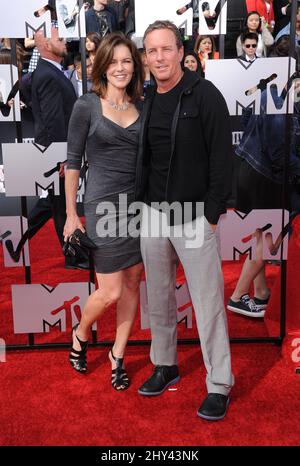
point(261, 307)
point(214, 418)
point(159, 393)
point(246, 313)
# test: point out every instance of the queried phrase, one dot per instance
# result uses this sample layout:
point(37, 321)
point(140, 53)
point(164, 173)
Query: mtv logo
point(70, 19)
point(37, 308)
point(8, 91)
point(11, 231)
point(148, 12)
point(18, 19)
point(239, 234)
point(220, 17)
point(183, 301)
point(237, 137)
point(242, 83)
point(2, 350)
point(27, 168)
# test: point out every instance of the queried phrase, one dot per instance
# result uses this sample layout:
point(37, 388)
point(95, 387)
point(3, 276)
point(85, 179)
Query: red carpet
point(47, 267)
point(44, 402)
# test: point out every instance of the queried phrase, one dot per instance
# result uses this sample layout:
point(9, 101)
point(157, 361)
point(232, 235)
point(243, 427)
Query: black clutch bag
point(78, 246)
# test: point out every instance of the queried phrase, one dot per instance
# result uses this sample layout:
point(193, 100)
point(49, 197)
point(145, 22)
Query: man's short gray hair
point(159, 24)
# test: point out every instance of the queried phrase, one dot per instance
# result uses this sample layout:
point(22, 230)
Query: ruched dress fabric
point(111, 152)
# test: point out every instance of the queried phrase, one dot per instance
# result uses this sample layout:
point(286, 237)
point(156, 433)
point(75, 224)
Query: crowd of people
point(268, 19)
point(154, 130)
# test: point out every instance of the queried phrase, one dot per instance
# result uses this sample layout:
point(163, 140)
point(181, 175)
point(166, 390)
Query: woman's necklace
point(119, 108)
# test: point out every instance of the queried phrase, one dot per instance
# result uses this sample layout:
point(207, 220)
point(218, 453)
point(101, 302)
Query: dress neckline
point(113, 122)
point(117, 124)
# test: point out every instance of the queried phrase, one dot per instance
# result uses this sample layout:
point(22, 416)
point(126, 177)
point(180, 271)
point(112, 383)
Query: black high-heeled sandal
point(78, 360)
point(119, 377)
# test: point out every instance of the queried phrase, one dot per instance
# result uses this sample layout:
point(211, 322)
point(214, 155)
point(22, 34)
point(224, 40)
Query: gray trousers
point(202, 267)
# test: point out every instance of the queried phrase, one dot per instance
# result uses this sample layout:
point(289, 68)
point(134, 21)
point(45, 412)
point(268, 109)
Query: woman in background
point(258, 25)
point(206, 49)
point(192, 62)
point(265, 9)
point(92, 43)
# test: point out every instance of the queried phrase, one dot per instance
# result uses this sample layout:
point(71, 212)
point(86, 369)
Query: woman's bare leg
point(127, 307)
point(109, 292)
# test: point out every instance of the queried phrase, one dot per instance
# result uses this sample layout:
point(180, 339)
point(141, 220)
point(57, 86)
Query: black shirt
point(103, 22)
point(159, 140)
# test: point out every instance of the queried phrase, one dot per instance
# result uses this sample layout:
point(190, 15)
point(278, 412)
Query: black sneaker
point(214, 407)
point(245, 306)
point(261, 303)
point(162, 378)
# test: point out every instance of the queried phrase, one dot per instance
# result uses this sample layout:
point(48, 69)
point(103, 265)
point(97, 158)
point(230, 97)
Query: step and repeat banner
point(265, 87)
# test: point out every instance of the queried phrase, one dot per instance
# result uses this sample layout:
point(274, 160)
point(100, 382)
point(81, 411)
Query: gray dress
point(111, 153)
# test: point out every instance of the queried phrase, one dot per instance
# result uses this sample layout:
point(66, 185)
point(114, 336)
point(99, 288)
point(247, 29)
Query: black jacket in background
point(53, 97)
point(201, 156)
point(281, 20)
point(92, 23)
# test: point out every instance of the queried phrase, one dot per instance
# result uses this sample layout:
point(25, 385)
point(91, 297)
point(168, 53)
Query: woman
point(258, 25)
point(191, 61)
point(265, 9)
point(206, 49)
point(92, 43)
point(106, 122)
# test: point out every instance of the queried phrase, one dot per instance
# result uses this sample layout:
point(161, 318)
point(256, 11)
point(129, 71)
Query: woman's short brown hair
point(104, 58)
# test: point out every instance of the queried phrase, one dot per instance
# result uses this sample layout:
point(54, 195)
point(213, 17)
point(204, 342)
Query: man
point(185, 155)
point(76, 75)
point(249, 45)
point(53, 97)
point(101, 18)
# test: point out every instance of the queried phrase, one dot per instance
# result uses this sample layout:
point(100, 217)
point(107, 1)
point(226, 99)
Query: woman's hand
point(61, 172)
point(72, 223)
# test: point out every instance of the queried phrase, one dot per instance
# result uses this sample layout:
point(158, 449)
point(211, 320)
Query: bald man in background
point(53, 95)
point(53, 98)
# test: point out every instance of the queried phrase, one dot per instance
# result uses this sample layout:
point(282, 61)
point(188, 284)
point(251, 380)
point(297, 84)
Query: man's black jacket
point(92, 23)
point(53, 98)
point(201, 154)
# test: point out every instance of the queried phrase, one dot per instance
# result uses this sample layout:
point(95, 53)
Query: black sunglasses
point(253, 46)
